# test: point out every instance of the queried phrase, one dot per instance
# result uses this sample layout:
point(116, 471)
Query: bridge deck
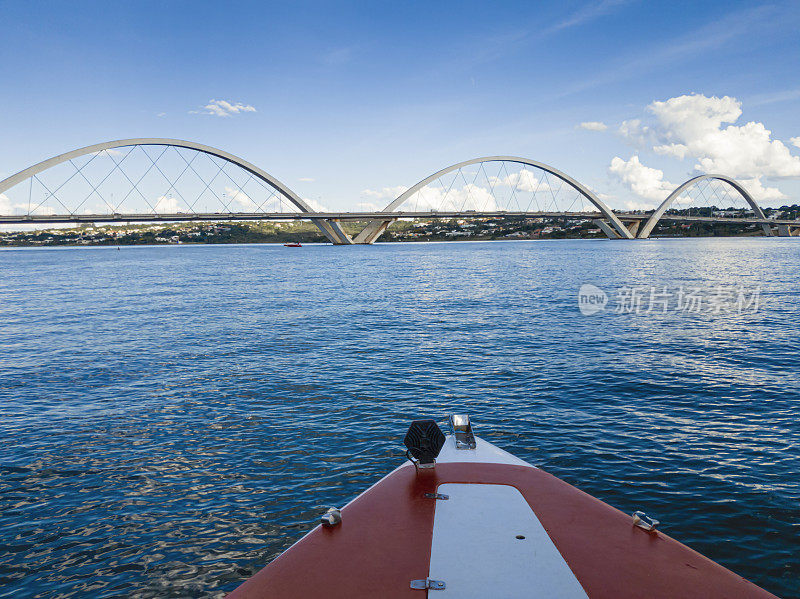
point(363, 216)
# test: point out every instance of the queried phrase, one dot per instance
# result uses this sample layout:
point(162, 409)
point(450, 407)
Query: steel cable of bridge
point(705, 186)
point(658, 213)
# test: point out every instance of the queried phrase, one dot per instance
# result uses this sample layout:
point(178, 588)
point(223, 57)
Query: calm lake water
point(172, 418)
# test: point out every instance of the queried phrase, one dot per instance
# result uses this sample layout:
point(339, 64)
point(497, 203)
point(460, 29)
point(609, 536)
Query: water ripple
point(174, 418)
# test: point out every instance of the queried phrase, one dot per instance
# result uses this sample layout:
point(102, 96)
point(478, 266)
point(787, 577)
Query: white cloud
point(389, 193)
point(635, 133)
point(701, 127)
point(593, 126)
point(760, 193)
point(306, 179)
point(167, 205)
point(224, 108)
point(369, 207)
point(161, 114)
point(315, 205)
point(603, 196)
point(634, 205)
point(240, 198)
point(678, 151)
point(524, 189)
point(7, 206)
point(275, 203)
point(522, 180)
point(469, 197)
point(795, 142)
point(646, 182)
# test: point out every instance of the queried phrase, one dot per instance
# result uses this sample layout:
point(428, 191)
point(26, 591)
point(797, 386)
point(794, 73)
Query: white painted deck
point(484, 452)
point(476, 551)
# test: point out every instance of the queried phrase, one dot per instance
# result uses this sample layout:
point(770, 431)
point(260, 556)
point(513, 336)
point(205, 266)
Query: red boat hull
point(385, 537)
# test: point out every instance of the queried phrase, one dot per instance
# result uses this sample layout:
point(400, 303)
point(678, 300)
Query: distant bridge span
point(625, 225)
point(377, 226)
point(658, 214)
point(367, 216)
point(330, 229)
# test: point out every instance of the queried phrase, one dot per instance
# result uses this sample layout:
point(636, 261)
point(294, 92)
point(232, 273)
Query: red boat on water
point(466, 519)
point(293, 244)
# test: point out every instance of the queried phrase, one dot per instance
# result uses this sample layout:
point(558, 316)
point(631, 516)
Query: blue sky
point(363, 96)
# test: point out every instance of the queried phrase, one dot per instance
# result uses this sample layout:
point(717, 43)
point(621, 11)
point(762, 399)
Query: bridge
point(170, 180)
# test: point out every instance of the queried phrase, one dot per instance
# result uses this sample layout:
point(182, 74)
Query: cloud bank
point(703, 129)
point(644, 181)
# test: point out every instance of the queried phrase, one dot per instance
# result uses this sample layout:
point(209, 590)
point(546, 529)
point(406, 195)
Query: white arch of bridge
point(330, 229)
point(376, 227)
point(645, 231)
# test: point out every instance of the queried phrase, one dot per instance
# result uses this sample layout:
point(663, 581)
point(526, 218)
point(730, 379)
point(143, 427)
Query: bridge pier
point(372, 231)
point(342, 238)
point(610, 231)
point(331, 229)
point(633, 226)
point(788, 231)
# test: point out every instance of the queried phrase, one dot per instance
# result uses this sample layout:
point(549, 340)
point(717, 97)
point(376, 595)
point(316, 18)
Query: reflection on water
point(174, 417)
